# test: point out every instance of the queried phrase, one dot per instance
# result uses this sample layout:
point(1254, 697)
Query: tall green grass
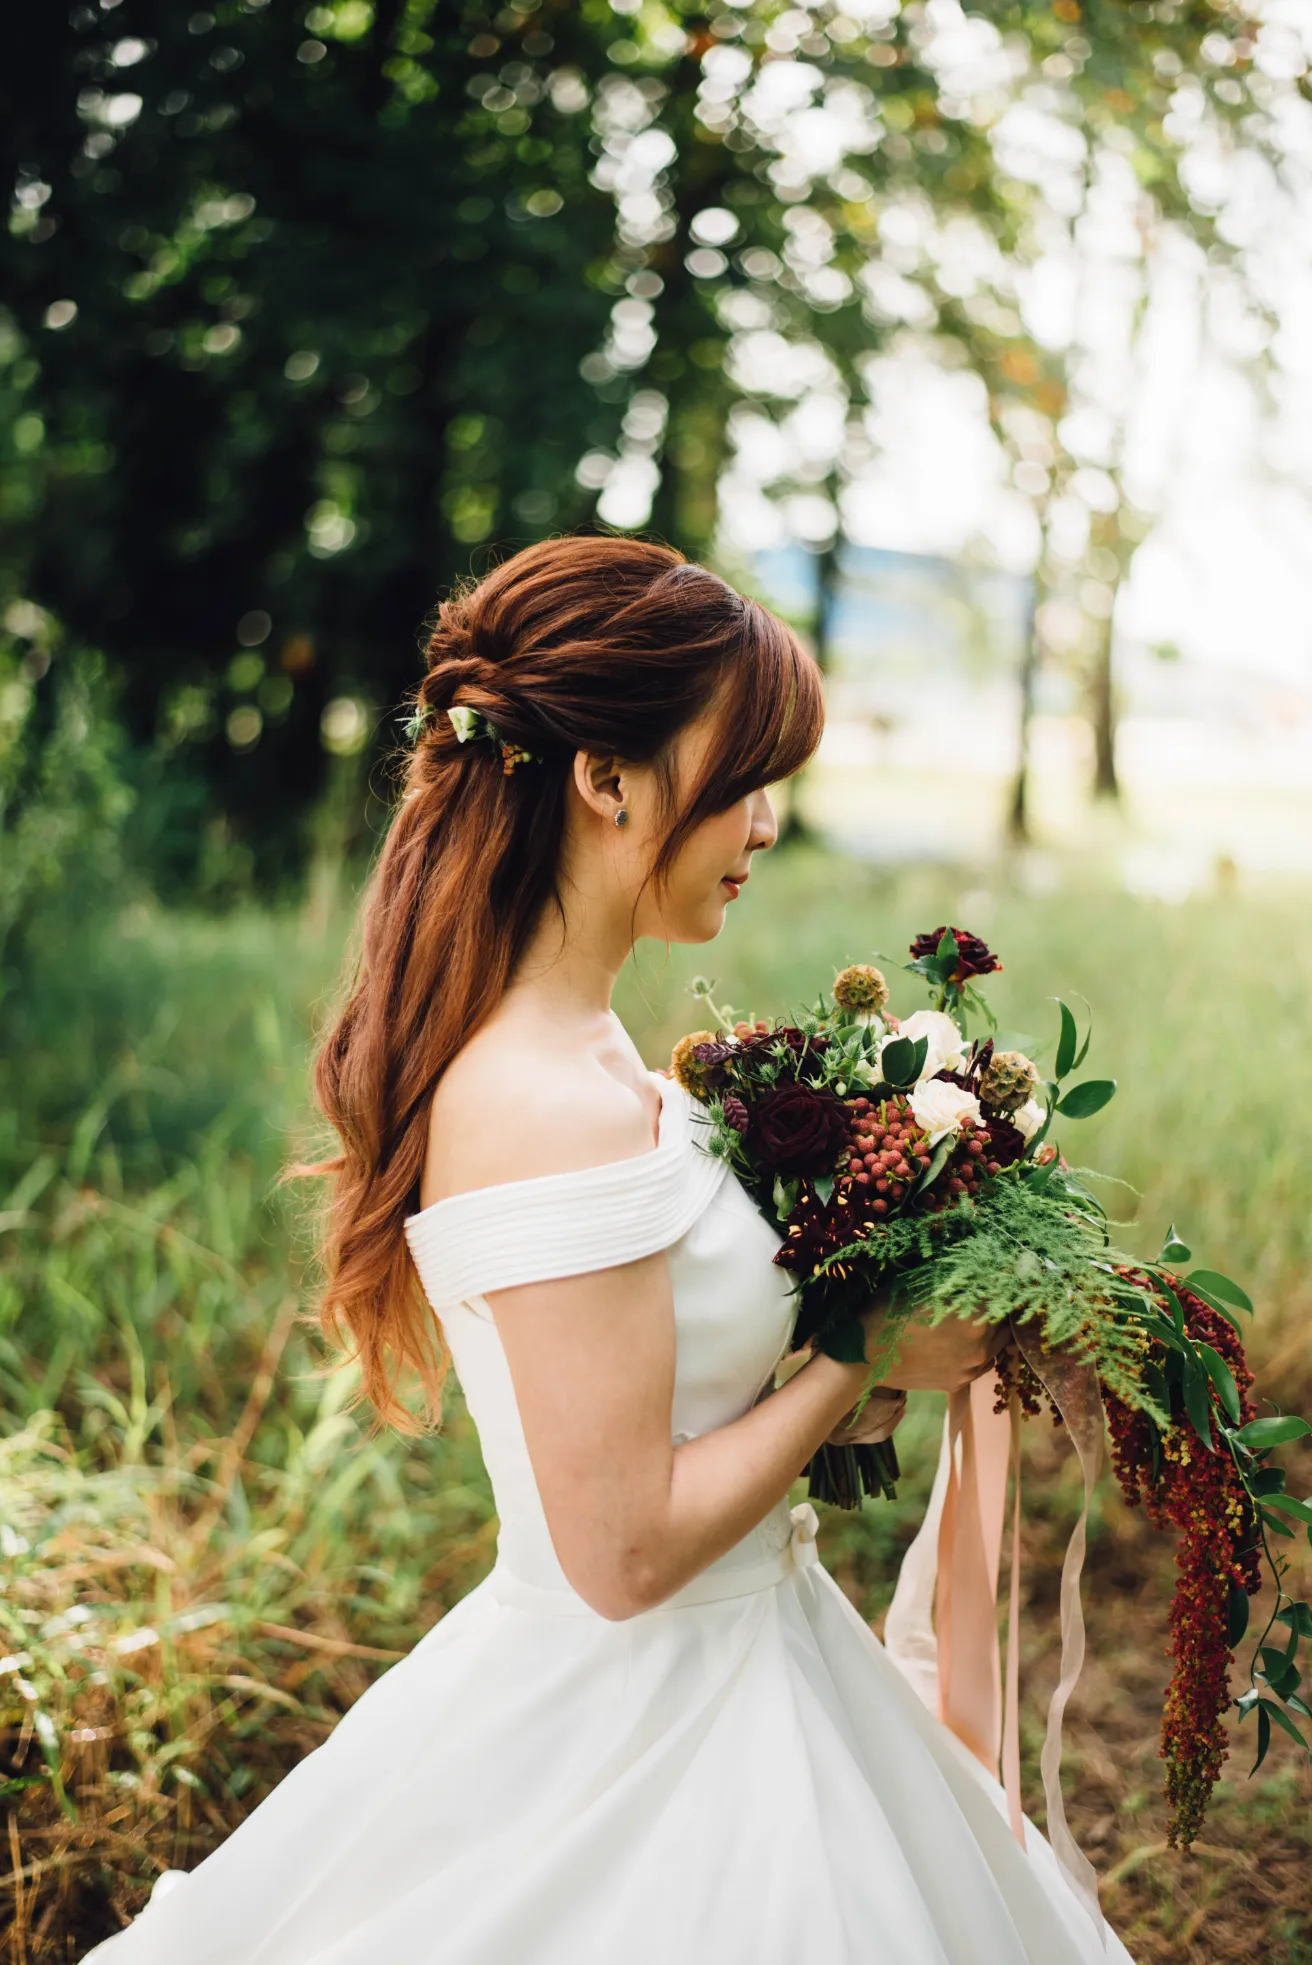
point(204, 1556)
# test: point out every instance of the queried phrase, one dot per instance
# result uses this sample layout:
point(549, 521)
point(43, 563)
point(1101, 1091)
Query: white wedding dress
point(740, 1776)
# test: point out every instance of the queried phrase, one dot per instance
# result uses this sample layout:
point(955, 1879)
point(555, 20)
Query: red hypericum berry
point(881, 1187)
point(855, 1166)
point(975, 1146)
point(863, 1180)
point(880, 1207)
point(902, 1170)
point(923, 1158)
point(993, 1167)
point(956, 1187)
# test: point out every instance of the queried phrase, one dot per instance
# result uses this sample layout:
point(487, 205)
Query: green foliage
point(1026, 1257)
point(310, 307)
point(147, 1270)
point(63, 799)
point(319, 330)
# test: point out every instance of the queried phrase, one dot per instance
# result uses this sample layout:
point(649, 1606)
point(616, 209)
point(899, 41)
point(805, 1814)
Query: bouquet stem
point(842, 1476)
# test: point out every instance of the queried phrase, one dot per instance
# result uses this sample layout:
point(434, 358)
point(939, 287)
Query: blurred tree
point(896, 174)
point(297, 323)
point(309, 302)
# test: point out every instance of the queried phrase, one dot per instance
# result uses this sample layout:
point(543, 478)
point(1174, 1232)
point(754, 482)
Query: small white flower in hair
point(467, 723)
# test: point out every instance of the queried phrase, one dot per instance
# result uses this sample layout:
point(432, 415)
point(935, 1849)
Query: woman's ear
point(599, 783)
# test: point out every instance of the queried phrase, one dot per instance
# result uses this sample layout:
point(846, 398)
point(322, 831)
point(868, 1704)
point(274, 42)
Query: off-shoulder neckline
point(637, 1162)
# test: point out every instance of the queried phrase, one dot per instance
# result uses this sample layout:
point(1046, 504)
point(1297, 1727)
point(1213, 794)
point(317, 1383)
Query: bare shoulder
point(512, 1111)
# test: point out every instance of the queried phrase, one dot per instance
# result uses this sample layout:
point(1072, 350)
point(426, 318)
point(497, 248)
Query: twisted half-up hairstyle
point(598, 644)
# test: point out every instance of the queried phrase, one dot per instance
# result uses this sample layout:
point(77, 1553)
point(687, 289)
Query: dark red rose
point(736, 1114)
point(799, 1129)
point(1006, 1142)
point(974, 957)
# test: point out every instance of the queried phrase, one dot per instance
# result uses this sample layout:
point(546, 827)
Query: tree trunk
point(827, 573)
point(1102, 715)
point(1018, 818)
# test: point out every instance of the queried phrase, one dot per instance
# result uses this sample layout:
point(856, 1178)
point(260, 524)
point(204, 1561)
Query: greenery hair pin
point(471, 726)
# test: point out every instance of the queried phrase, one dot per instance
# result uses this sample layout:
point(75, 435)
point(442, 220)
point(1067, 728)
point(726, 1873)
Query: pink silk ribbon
point(964, 1532)
point(1073, 1386)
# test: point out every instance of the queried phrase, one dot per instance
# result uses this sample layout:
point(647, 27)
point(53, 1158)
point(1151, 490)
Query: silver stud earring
point(621, 817)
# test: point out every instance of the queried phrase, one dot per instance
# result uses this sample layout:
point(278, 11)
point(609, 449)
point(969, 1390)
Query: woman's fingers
point(943, 1356)
point(882, 1413)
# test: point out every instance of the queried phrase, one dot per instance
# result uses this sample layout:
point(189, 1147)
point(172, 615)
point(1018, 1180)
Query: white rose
point(947, 1046)
point(940, 1107)
point(1028, 1118)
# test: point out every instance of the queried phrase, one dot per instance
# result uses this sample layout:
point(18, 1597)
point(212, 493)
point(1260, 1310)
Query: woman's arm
point(633, 1517)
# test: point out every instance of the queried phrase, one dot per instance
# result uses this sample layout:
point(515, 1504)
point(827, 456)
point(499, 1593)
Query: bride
point(658, 1731)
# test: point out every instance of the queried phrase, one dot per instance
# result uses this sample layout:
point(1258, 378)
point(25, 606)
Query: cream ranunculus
point(1028, 1118)
point(947, 1046)
point(940, 1107)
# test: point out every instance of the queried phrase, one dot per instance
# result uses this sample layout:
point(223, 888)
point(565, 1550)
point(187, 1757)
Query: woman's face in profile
point(710, 867)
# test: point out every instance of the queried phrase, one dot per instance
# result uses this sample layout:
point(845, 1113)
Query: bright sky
point(1209, 405)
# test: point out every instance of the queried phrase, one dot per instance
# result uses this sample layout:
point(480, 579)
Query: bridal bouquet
point(905, 1156)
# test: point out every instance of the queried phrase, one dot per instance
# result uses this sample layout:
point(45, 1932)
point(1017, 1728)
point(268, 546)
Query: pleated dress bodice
point(733, 1310)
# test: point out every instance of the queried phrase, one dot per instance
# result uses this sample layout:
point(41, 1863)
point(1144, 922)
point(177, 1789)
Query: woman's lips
point(733, 882)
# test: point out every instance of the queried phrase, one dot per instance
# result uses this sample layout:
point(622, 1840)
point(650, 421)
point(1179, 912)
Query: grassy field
point(205, 1558)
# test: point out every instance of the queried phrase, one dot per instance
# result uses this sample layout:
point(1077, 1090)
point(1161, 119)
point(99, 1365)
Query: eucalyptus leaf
point(1279, 1672)
point(1173, 1304)
point(823, 1185)
point(1264, 1711)
point(1083, 1051)
point(1173, 1249)
point(1082, 1101)
point(1236, 1610)
point(1298, 1616)
point(1196, 1402)
point(1019, 1040)
point(901, 1060)
point(1212, 1282)
point(937, 1161)
point(1223, 1378)
point(1281, 1719)
point(1259, 1434)
point(1287, 1504)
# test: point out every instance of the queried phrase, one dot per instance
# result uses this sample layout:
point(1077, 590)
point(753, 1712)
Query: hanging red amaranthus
point(1203, 1496)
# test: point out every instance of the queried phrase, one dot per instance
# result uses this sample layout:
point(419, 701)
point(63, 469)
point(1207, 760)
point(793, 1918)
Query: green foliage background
point(305, 311)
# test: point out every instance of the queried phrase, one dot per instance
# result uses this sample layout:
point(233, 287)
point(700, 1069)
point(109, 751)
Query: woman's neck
point(570, 965)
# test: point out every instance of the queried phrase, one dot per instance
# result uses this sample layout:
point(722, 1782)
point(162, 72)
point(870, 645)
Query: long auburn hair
point(601, 644)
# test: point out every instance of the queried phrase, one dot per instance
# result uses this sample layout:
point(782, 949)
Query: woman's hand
point(938, 1358)
point(881, 1414)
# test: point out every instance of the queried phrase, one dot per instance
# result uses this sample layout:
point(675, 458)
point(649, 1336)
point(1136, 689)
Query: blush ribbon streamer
point(942, 1626)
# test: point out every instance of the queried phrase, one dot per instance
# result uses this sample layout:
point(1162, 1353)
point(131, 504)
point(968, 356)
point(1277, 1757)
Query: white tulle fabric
point(738, 1777)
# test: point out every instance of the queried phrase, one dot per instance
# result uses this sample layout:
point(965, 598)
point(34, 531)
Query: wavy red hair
point(599, 644)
